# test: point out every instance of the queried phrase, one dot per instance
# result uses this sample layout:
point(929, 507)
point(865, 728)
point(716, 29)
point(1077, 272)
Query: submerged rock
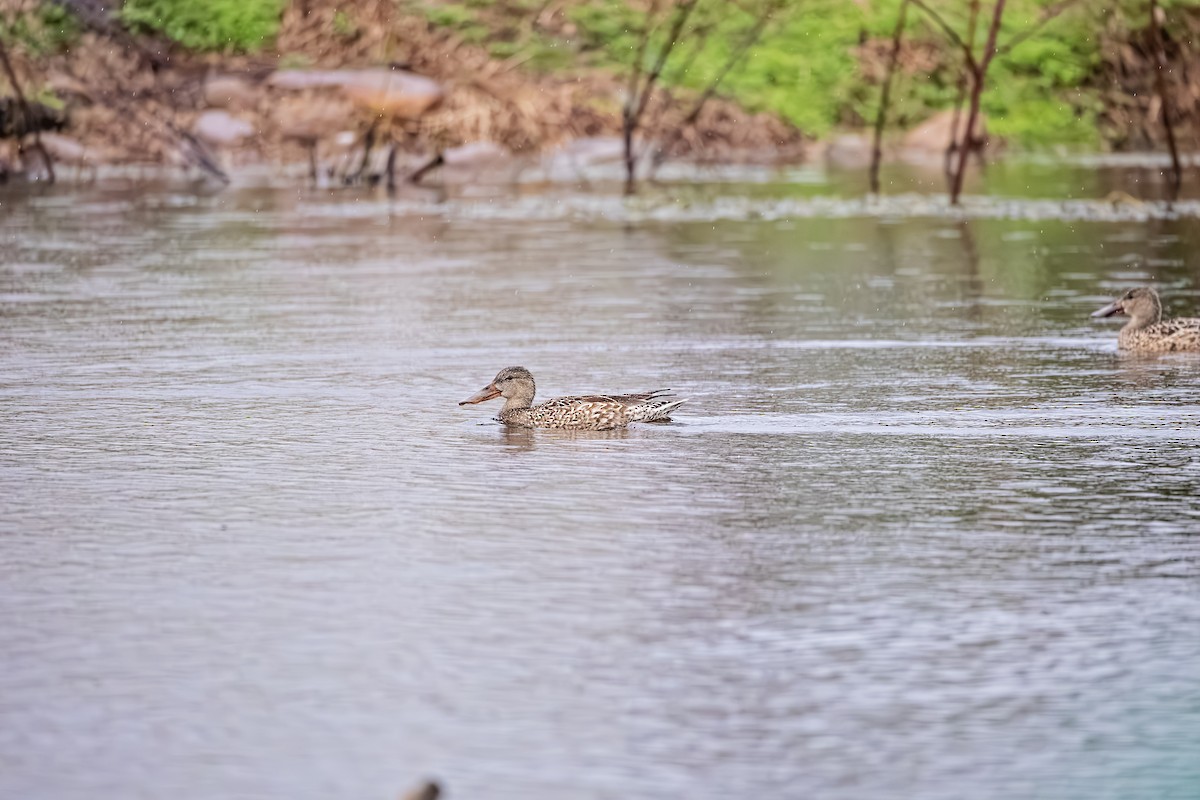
point(593, 150)
point(221, 129)
point(476, 154)
point(65, 150)
point(480, 162)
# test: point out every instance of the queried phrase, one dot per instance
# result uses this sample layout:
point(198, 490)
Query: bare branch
point(188, 145)
point(989, 49)
point(885, 97)
point(960, 97)
point(683, 10)
point(629, 119)
point(639, 98)
point(433, 163)
point(635, 71)
point(26, 115)
point(951, 34)
point(700, 35)
point(978, 77)
point(195, 151)
point(1160, 84)
point(739, 52)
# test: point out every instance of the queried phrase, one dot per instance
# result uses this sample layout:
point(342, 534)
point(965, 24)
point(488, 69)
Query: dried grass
point(1131, 117)
point(119, 107)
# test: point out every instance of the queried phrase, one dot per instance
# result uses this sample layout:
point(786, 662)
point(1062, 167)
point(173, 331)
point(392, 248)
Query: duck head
point(1141, 305)
point(514, 384)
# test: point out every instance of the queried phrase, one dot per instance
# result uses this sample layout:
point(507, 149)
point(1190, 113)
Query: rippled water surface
point(921, 531)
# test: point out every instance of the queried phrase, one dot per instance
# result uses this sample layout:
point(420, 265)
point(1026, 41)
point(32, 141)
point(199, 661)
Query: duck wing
point(1181, 333)
point(604, 411)
point(623, 399)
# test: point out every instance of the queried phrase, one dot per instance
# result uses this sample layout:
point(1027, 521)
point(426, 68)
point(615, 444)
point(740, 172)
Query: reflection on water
point(920, 531)
point(524, 439)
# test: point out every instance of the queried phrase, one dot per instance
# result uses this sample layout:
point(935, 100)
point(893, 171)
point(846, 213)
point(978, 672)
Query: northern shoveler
point(583, 413)
point(1147, 331)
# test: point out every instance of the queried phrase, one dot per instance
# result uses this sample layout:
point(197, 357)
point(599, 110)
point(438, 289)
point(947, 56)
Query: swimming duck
point(583, 413)
point(1147, 331)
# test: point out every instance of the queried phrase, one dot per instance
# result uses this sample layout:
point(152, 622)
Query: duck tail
point(657, 412)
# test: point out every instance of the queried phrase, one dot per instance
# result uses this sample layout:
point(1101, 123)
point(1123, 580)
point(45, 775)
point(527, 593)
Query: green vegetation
point(808, 69)
point(502, 28)
point(809, 65)
point(460, 17)
point(49, 29)
point(343, 25)
point(818, 63)
point(226, 25)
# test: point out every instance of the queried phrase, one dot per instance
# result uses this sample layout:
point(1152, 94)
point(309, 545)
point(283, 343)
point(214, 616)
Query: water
point(921, 531)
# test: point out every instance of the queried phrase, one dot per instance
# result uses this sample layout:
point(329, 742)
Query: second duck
point(1147, 331)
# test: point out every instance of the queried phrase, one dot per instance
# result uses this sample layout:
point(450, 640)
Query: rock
point(298, 80)
point(392, 92)
point(589, 158)
point(476, 155)
point(593, 150)
point(932, 136)
point(307, 119)
point(221, 129)
point(850, 150)
point(65, 150)
point(399, 94)
point(229, 93)
point(480, 162)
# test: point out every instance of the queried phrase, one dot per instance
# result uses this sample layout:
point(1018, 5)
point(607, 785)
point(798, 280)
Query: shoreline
point(576, 161)
point(401, 90)
point(684, 194)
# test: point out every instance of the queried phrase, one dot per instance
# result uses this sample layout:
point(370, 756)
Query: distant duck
point(1147, 331)
point(583, 413)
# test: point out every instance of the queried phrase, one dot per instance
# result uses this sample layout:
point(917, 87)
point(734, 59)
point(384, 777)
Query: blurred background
point(920, 531)
point(337, 85)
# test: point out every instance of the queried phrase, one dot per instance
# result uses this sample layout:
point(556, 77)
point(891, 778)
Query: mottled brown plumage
point(584, 413)
point(1147, 331)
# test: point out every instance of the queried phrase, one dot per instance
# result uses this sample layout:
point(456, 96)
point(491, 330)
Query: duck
point(1147, 331)
point(599, 412)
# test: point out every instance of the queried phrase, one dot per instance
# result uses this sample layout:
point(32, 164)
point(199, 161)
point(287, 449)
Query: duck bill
point(486, 393)
point(1110, 309)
